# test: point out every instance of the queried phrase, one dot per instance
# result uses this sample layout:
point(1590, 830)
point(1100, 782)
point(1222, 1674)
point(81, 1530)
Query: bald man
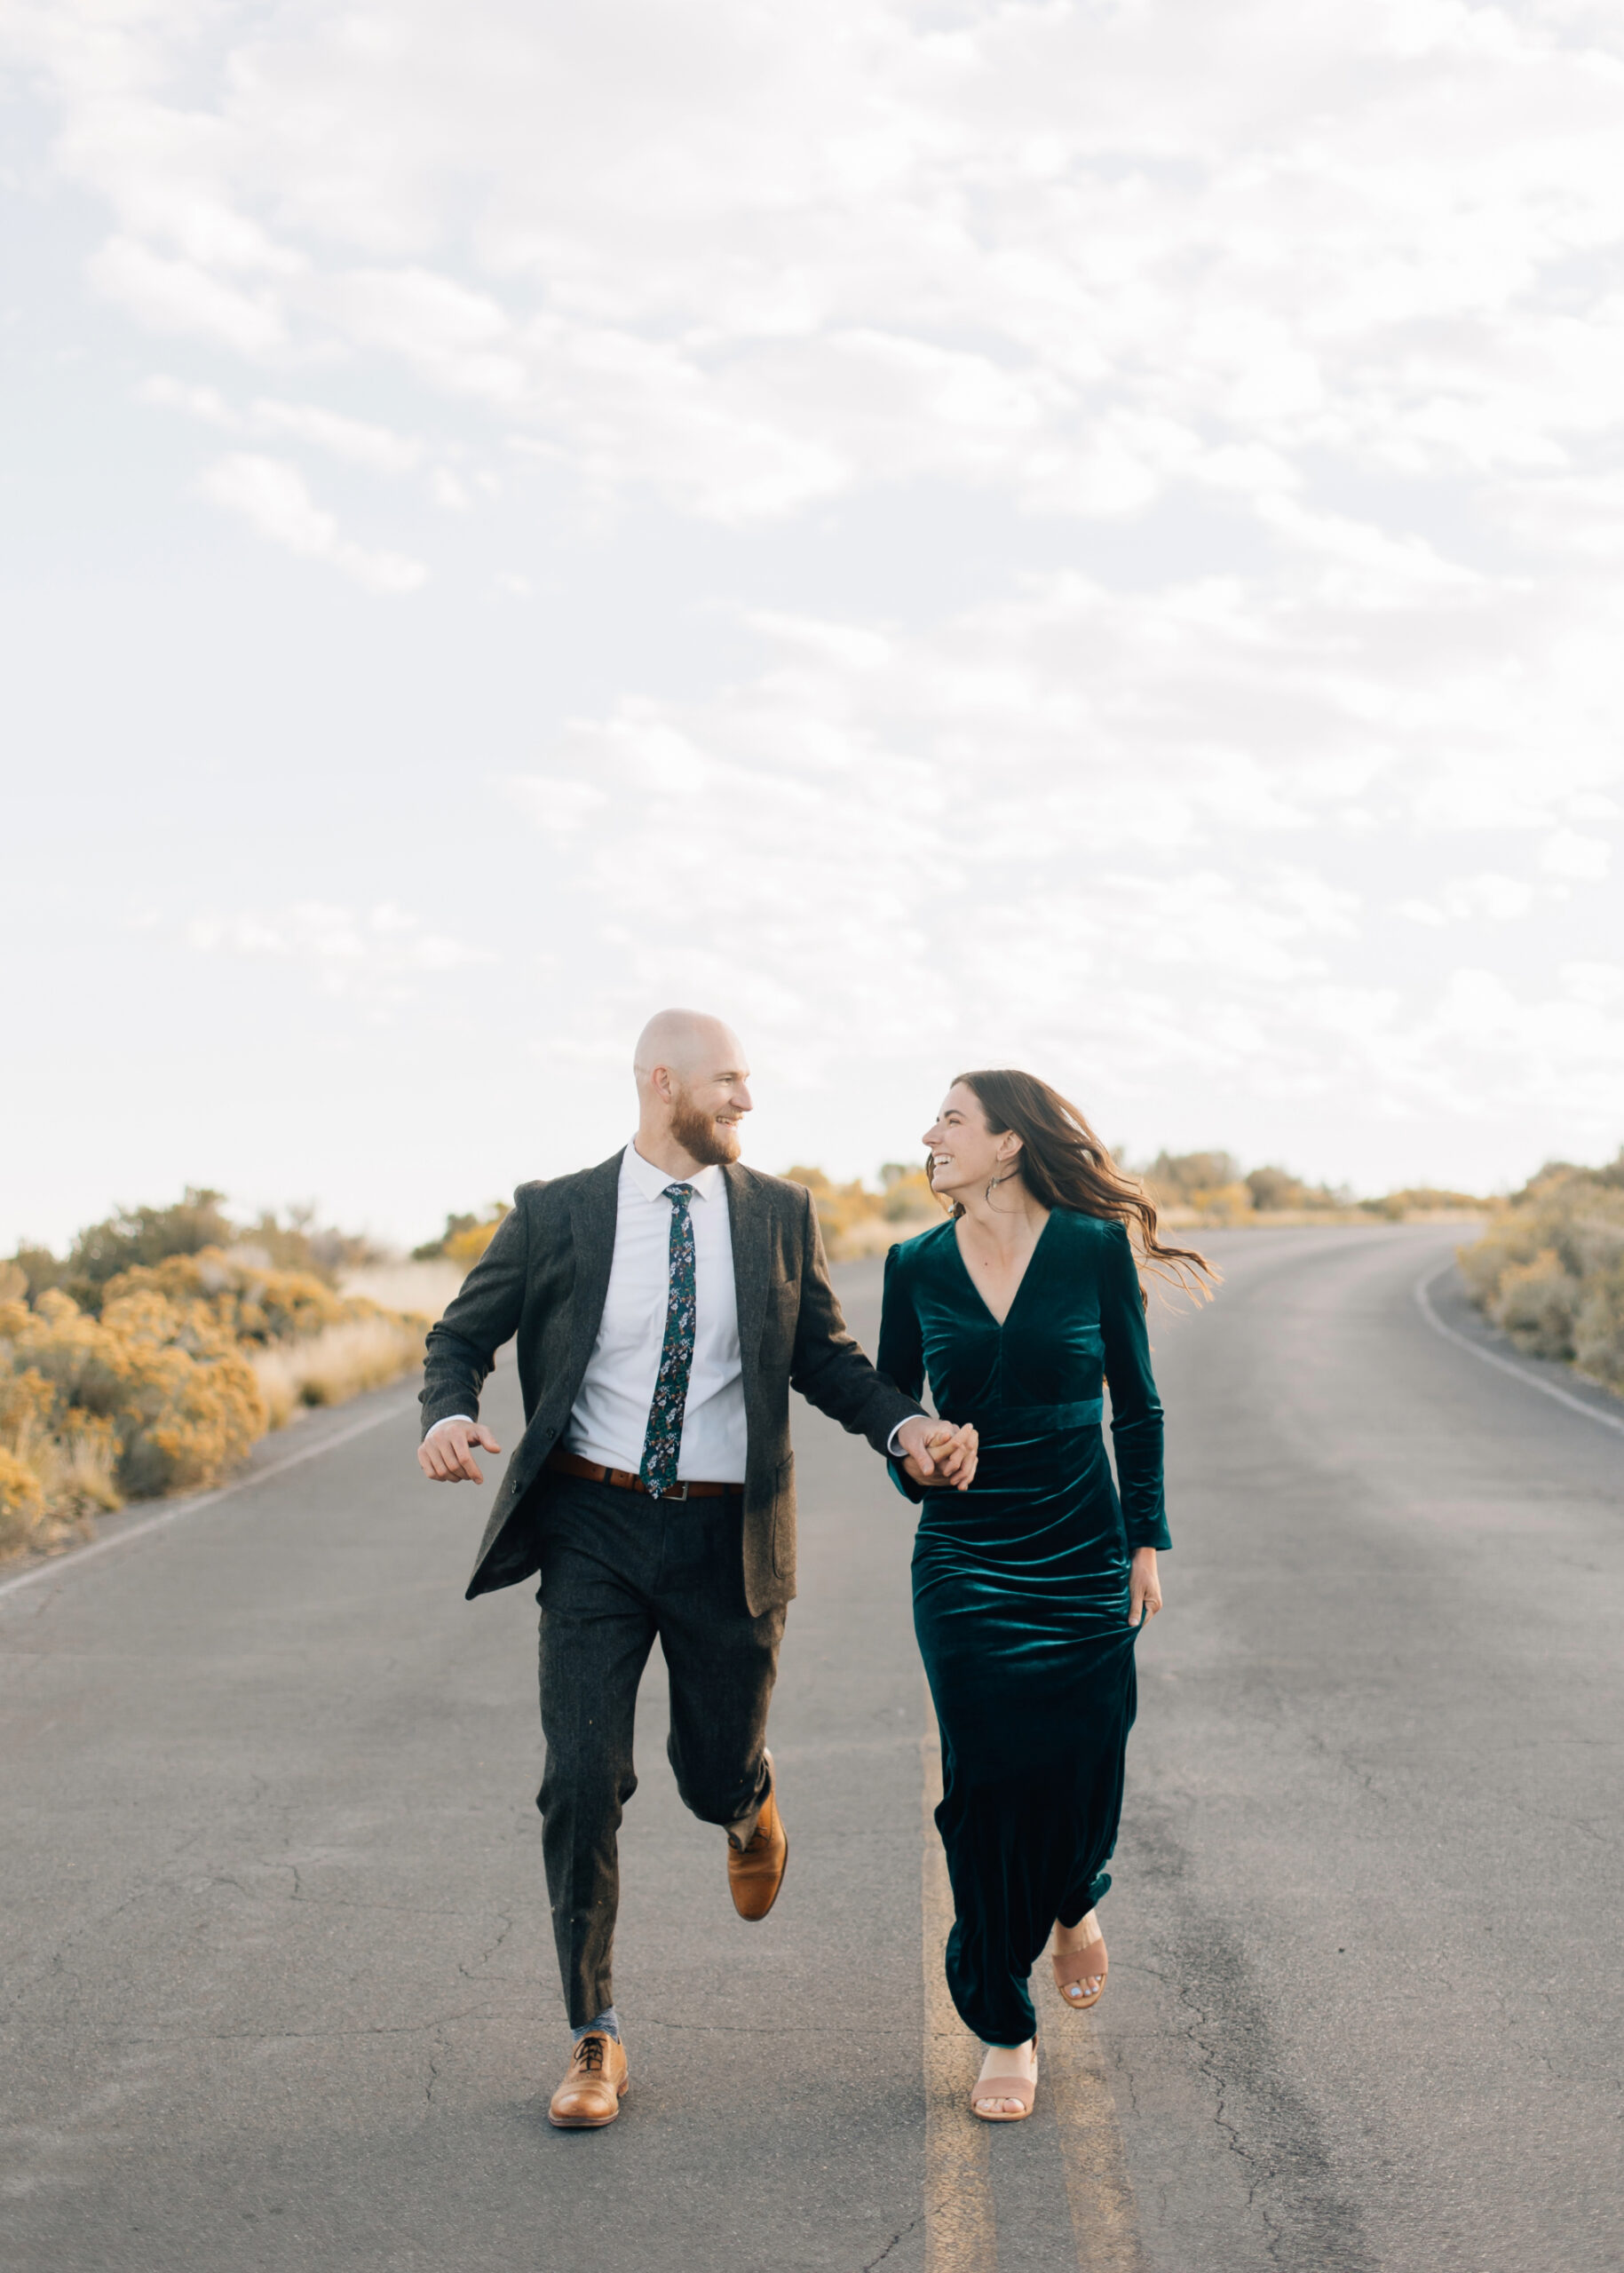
point(665, 1303)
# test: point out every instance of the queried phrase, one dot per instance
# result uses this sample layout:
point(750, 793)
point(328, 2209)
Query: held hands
point(1144, 1587)
point(934, 1452)
point(446, 1455)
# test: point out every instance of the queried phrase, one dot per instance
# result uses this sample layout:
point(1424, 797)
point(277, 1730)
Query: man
point(665, 1303)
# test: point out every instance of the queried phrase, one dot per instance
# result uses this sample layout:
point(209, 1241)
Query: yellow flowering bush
point(22, 1501)
point(190, 1361)
point(856, 1221)
point(164, 1392)
point(465, 1239)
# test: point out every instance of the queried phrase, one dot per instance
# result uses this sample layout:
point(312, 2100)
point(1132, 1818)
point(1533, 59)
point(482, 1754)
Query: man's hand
point(446, 1455)
point(934, 1452)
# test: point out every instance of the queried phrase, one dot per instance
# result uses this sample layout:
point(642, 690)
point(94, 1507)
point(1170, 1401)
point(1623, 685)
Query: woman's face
point(964, 1153)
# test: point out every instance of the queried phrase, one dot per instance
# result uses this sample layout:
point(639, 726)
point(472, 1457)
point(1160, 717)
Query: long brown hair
point(1063, 1165)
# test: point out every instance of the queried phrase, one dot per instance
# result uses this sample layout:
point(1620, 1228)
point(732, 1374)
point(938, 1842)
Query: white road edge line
point(59, 1564)
point(1423, 1302)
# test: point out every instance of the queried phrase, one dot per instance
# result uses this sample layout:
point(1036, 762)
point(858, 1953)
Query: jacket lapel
point(592, 1212)
point(748, 1227)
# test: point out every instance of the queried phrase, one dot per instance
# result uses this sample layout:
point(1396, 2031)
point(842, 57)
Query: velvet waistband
point(1013, 1424)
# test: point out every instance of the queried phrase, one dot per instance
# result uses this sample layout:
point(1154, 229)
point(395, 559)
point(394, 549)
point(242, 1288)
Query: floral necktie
point(663, 1445)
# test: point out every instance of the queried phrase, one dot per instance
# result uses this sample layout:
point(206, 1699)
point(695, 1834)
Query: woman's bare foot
point(1007, 2060)
point(1077, 1937)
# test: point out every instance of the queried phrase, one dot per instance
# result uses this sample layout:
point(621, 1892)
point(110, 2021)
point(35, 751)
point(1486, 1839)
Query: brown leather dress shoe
point(591, 2091)
point(756, 1868)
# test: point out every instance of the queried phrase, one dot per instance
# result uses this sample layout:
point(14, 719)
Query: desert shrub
point(303, 1244)
point(1537, 1302)
point(1598, 1328)
point(856, 1222)
point(135, 1238)
point(1203, 1187)
point(1425, 1199)
point(1185, 1177)
point(905, 1196)
point(465, 1239)
point(132, 1236)
point(171, 1390)
point(235, 1297)
point(22, 1502)
point(1276, 1188)
point(1549, 1269)
point(188, 1343)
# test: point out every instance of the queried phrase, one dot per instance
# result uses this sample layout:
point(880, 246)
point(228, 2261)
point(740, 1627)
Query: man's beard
point(702, 1136)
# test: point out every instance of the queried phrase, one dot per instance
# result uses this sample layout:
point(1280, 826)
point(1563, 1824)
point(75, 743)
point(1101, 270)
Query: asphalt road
point(279, 1988)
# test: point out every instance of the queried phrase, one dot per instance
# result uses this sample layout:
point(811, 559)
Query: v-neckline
point(953, 1232)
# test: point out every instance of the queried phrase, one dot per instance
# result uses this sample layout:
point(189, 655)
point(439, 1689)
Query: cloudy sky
point(1086, 533)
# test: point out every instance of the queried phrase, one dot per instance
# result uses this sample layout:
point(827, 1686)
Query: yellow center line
point(960, 2234)
point(1097, 2186)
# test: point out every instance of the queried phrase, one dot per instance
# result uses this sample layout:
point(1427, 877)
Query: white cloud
point(176, 295)
point(1074, 253)
point(379, 449)
point(271, 497)
point(1487, 897)
point(1169, 457)
point(1064, 824)
point(200, 402)
point(380, 954)
point(1568, 854)
point(356, 439)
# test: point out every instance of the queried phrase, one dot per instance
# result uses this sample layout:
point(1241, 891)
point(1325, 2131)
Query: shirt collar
point(652, 1182)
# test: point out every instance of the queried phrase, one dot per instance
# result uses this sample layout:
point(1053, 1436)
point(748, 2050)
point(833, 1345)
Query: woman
point(1030, 1589)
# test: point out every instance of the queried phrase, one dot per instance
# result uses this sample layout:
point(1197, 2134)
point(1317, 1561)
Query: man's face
point(706, 1111)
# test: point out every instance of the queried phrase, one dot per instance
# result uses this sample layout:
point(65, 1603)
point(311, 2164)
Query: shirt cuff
point(444, 1421)
point(893, 1450)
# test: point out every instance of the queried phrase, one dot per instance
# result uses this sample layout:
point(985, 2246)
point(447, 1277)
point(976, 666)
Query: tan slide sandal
point(1073, 1967)
point(1021, 2088)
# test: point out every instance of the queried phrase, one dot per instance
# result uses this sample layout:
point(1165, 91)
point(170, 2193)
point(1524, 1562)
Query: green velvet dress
point(1020, 1584)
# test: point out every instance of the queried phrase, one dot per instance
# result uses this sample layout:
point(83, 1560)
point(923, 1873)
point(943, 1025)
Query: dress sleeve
point(901, 1359)
point(1135, 1409)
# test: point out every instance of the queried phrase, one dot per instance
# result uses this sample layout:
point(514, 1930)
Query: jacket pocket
point(783, 1520)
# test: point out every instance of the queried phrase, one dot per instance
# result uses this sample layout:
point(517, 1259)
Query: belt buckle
point(675, 1491)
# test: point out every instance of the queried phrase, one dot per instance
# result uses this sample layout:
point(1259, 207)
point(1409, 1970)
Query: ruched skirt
point(1020, 1606)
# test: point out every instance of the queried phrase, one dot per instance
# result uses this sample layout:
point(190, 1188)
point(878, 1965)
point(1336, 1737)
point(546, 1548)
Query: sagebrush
point(164, 1386)
point(1550, 1269)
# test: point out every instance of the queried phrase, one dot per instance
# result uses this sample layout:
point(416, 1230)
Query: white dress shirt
point(610, 1419)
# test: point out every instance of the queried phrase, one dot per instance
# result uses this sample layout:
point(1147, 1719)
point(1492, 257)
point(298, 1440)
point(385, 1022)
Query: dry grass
point(874, 1234)
point(338, 1363)
point(421, 1288)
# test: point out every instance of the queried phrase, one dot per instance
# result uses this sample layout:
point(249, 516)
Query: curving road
point(278, 1984)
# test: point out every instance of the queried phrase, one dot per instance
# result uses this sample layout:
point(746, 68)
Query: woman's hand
point(1144, 1587)
point(934, 1452)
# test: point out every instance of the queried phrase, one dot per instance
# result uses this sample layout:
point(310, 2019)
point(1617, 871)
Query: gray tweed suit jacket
point(544, 1277)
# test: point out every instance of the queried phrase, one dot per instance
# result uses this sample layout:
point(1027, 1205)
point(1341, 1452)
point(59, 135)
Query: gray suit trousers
point(617, 1569)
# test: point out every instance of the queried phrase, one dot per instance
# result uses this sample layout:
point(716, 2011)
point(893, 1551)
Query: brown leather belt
point(622, 1480)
